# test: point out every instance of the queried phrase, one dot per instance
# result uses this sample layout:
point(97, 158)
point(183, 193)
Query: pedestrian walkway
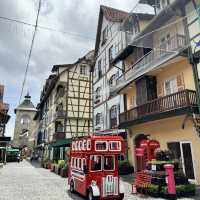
point(26, 181)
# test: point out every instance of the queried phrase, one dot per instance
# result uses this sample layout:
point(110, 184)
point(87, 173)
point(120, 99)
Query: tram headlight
point(94, 183)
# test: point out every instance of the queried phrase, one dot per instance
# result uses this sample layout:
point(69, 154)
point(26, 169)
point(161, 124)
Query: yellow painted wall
point(168, 130)
point(182, 68)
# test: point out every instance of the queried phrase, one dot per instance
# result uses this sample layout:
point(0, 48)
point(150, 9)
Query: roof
point(26, 104)
point(112, 14)
point(115, 15)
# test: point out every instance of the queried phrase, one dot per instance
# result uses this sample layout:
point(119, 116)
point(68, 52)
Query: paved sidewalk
point(23, 181)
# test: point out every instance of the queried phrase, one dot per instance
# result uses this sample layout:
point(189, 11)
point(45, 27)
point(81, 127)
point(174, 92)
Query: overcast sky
point(50, 48)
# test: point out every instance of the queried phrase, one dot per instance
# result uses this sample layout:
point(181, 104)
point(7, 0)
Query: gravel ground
point(23, 181)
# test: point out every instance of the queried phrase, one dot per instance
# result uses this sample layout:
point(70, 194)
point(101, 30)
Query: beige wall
point(181, 69)
point(168, 130)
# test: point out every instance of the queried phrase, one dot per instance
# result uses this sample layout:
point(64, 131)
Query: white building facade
point(115, 31)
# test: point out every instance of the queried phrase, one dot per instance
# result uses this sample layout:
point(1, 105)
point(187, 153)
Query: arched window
point(98, 118)
point(60, 91)
point(113, 116)
point(112, 80)
point(98, 93)
point(25, 120)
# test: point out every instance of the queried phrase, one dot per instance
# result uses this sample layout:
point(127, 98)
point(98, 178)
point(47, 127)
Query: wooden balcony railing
point(182, 99)
point(158, 55)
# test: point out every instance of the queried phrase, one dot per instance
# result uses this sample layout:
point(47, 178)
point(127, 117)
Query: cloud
point(75, 17)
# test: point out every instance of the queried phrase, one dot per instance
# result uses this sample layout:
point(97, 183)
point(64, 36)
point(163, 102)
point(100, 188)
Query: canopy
point(61, 143)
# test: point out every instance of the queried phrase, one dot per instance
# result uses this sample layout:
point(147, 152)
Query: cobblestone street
point(23, 181)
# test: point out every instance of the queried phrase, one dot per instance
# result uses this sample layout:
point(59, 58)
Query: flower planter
point(63, 172)
point(52, 169)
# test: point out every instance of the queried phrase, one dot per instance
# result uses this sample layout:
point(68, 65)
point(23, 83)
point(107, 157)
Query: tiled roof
point(112, 14)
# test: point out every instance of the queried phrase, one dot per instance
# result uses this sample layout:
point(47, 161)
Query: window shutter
point(160, 88)
point(180, 82)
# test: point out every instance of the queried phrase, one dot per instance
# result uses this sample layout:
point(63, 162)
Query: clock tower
point(24, 124)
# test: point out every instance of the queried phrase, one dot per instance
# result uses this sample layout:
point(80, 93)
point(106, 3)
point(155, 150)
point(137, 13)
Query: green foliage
point(190, 188)
point(61, 163)
point(163, 190)
point(153, 188)
point(125, 168)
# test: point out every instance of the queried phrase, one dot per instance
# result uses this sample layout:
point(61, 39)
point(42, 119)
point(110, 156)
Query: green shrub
point(153, 188)
point(61, 163)
point(125, 168)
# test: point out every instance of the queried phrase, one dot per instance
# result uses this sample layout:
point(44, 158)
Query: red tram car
point(93, 167)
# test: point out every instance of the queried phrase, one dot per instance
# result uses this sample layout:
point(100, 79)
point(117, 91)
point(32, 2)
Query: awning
point(61, 143)
point(12, 150)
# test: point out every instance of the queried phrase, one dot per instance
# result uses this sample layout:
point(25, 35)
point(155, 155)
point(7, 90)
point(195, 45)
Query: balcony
point(152, 60)
point(171, 105)
point(60, 114)
point(58, 136)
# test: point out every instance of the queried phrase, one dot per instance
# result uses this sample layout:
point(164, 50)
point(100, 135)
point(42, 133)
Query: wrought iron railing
point(182, 99)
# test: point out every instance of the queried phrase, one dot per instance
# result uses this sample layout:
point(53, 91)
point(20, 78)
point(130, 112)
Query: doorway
point(183, 152)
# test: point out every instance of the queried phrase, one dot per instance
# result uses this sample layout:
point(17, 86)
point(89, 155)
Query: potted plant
point(180, 190)
point(153, 190)
point(64, 171)
point(61, 164)
point(190, 190)
point(125, 168)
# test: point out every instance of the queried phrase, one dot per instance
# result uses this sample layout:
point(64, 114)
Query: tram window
point(96, 163)
point(109, 162)
point(83, 163)
point(115, 146)
point(84, 145)
point(89, 145)
point(76, 162)
point(79, 163)
point(101, 146)
point(72, 162)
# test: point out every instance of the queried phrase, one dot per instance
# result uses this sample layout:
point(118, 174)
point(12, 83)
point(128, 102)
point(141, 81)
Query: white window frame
point(101, 141)
point(104, 161)
point(174, 78)
point(101, 163)
point(119, 144)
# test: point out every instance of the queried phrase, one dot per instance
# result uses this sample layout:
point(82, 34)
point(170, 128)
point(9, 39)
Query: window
point(98, 93)
point(95, 163)
point(83, 70)
point(112, 80)
point(113, 112)
point(25, 120)
point(136, 26)
point(104, 35)
point(99, 69)
point(109, 163)
point(115, 146)
point(98, 118)
point(101, 146)
point(171, 86)
point(80, 162)
point(111, 53)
